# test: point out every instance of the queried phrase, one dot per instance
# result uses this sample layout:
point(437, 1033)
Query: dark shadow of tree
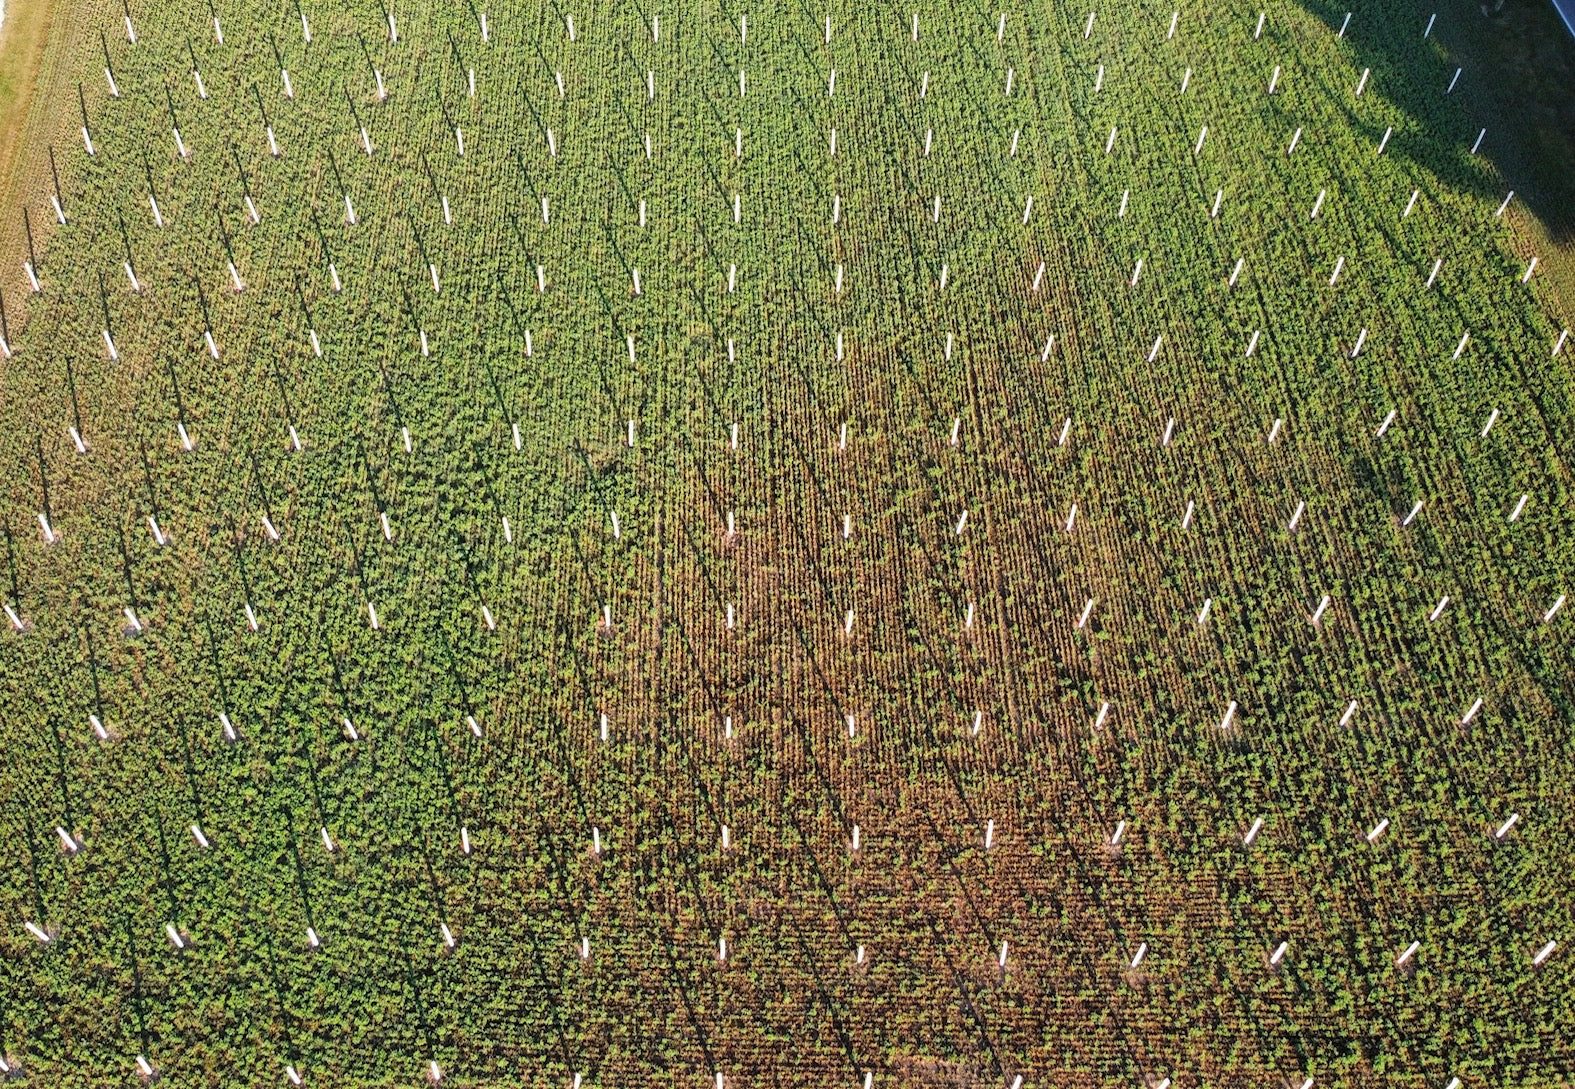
point(1518, 70)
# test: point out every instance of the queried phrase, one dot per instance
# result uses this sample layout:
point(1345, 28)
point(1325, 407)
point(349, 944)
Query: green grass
point(747, 727)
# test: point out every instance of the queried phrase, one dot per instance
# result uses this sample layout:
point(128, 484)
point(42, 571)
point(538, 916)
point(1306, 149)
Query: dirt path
point(24, 28)
point(32, 45)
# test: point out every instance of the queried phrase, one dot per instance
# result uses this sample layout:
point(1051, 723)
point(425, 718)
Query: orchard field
point(732, 544)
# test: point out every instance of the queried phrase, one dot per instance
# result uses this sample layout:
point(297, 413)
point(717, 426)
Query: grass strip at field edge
point(25, 37)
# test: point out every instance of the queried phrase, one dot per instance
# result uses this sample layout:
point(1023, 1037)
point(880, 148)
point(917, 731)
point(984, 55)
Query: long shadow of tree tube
point(806, 849)
point(838, 1025)
point(139, 1010)
point(682, 989)
point(63, 776)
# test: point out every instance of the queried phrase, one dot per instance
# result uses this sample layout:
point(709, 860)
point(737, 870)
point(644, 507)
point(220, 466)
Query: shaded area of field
point(1522, 61)
point(1526, 61)
point(1518, 67)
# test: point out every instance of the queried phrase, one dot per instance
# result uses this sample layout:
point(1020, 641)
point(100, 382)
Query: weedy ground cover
point(741, 544)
